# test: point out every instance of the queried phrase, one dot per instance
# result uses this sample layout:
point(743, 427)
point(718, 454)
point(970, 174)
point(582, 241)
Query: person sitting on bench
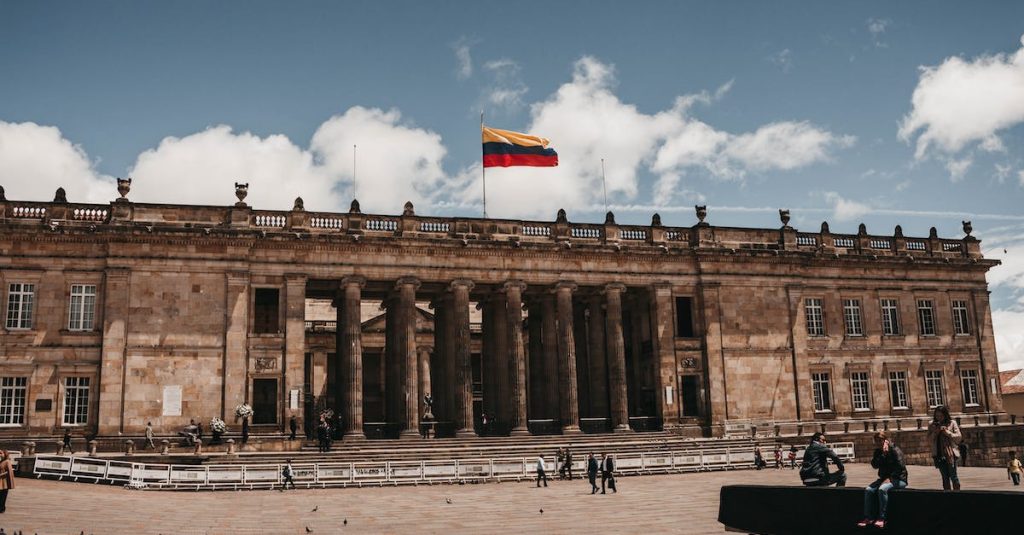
point(814, 470)
point(190, 433)
point(892, 474)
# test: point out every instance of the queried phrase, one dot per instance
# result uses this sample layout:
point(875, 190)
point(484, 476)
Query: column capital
point(566, 285)
point(295, 278)
point(661, 287)
point(616, 287)
point(425, 349)
point(357, 280)
point(459, 284)
point(407, 281)
point(517, 284)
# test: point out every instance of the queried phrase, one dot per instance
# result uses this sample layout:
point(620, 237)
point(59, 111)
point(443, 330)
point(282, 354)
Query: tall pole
point(354, 172)
point(483, 169)
point(604, 186)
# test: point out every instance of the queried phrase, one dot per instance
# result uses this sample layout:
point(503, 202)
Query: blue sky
point(888, 113)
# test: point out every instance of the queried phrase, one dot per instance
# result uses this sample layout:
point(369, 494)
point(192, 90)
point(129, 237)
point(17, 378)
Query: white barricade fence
point(140, 475)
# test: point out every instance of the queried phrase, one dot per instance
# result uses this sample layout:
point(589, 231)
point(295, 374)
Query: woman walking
point(944, 436)
point(6, 478)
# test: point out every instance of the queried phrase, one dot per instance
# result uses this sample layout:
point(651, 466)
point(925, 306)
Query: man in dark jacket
point(814, 470)
point(592, 472)
point(892, 474)
point(608, 473)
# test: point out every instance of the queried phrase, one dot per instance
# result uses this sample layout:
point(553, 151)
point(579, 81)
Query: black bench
point(782, 510)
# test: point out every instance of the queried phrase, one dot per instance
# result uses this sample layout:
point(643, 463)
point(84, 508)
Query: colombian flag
point(504, 148)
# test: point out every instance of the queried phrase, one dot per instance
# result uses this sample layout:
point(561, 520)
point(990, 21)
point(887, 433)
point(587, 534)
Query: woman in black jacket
point(892, 474)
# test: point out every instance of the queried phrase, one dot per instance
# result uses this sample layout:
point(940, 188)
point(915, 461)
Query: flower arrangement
point(218, 426)
point(326, 415)
point(243, 411)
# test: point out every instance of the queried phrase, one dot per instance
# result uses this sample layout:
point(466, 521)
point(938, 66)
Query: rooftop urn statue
point(241, 191)
point(784, 216)
point(408, 210)
point(967, 227)
point(354, 207)
point(560, 217)
point(824, 227)
point(933, 233)
point(61, 196)
point(899, 231)
point(124, 185)
point(702, 212)
point(862, 230)
point(656, 220)
point(609, 218)
point(299, 205)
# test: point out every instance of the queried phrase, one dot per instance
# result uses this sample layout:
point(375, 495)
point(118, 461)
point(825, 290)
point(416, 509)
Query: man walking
point(608, 473)
point(592, 472)
point(66, 443)
point(540, 471)
point(293, 426)
point(149, 436)
point(814, 470)
point(567, 467)
point(288, 473)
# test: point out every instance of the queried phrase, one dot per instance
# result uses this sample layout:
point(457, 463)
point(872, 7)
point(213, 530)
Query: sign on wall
point(172, 400)
point(293, 400)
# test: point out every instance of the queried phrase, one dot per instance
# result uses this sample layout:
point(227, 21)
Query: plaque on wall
point(266, 364)
point(172, 400)
point(44, 405)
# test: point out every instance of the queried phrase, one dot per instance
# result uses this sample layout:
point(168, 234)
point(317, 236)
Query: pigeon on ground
point(315, 509)
point(345, 522)
point(541, 511)
point(447, 500)
point(308, 530)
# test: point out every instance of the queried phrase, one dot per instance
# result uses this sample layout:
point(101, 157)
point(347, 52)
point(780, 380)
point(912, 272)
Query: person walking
point(792, 457)
point(149, 436)
point(592, 472)
point(6, 478)
point(567, 467)
point(758, 458)
point(944, 436)
point(541, 476)
point(1013, 469)
point(293, 426)
point(892, 474)
point(778, 457)
point(288, 473)
point(814, 470)
point(608, 473)
point(66, 443)
point(560, 463)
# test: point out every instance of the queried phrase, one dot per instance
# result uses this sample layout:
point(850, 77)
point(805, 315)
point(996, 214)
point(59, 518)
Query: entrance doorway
point(691, 395)
point(264, 401)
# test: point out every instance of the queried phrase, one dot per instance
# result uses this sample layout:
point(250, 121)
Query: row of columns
point(412, 371)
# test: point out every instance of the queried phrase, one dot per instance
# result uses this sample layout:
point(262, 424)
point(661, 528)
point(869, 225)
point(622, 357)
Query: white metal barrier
point(338, 474)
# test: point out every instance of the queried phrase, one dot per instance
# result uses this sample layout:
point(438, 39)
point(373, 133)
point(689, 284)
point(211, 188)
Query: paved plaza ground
point(682, 503)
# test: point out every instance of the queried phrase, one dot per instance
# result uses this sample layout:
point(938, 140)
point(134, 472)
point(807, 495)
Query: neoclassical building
point(121, 314)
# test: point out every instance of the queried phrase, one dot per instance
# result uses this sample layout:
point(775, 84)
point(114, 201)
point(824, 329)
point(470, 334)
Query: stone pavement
point(682, 503)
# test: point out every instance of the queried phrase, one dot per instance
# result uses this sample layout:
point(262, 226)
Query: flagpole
point(483, 169)
point(604, 186)
point(354, 197)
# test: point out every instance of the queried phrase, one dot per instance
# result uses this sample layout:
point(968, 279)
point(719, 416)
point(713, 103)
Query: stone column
point(663, 336)
point(535, 369)
point(567, 401)
point(336, 362)
point(351, 357)
point(550, 344)
point(440, 385)
point(579, 323)
point(392, 366)
point(500, 360)
point(406, 288)
point(598, 363)
point(294, 347)
point(423, 367)
point(236, 348)
point(983, 333)
point(517, 355)
point(616, 358)
point(115, 333)
point(488, 376)
point(463, 367)
point(714, 356)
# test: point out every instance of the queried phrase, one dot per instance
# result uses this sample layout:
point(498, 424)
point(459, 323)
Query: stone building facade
point(121, 314)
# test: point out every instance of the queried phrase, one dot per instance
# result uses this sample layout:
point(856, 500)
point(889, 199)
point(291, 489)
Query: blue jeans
point(877, 494)
point(948, 471)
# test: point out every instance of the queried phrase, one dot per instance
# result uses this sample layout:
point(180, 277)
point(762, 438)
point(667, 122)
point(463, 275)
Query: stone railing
point(409, 225)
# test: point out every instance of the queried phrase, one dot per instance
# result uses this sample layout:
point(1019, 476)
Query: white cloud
point(1008, 326)
point(463, 59)
point(1020, 176)
point(506, 89)
point(845, 209)
point(782, 59)
point(877, 27)
point(785, 146)
point(35, 160)
point(957, 168)
point(1002, 172)
point(1007, 245)
point(963, 102)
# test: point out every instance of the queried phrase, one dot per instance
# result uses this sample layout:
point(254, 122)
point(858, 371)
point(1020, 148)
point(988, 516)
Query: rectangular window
point(76, 400)
point(960, 322)
point(822, 392)
point(898, 390)
point(815, 317)
point(266, 311)
point(926, 317)
point(12, 400)
point(933, 388)
point(969, 382)
point(20, 297)
point(684, 317)
point(861, 389)
point(82, 310)
point(890, 316)
point(851, 317)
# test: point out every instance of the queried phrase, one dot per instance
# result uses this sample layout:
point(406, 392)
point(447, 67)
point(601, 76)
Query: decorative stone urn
point(124, 185)
point(702, 212)
point(241, 191)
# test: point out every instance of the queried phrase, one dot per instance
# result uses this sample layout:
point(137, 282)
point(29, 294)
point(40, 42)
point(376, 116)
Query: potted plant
point(244, 411)
point(218, 427)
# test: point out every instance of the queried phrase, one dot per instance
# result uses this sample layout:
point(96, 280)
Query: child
point(1013, 469)
point(792, 457)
